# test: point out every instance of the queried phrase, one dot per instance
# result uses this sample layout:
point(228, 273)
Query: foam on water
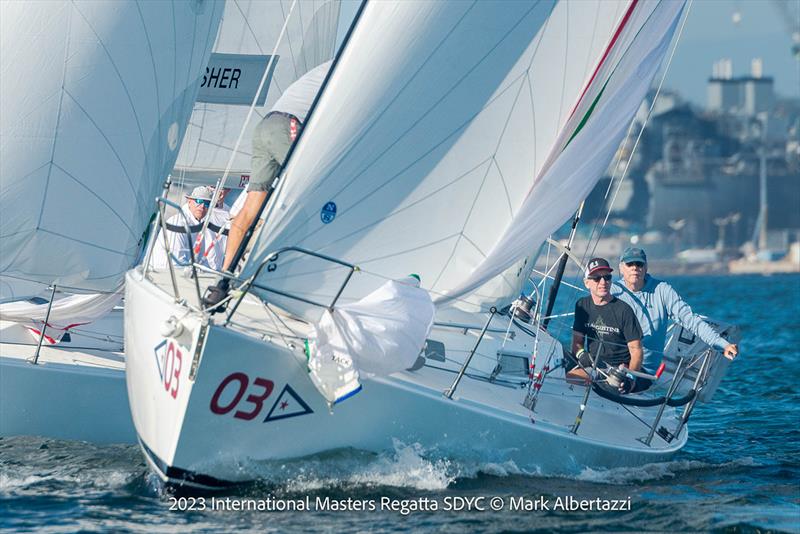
point(739, 471)
point(657, 471)
point(406, 466)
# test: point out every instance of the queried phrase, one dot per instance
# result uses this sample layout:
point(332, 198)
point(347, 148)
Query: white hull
point(198, 433)
point(76, 390)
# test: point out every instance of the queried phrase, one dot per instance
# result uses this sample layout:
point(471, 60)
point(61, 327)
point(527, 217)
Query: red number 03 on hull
point(261, 389)
point(173, 362)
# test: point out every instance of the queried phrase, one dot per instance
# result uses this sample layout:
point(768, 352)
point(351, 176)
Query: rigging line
point(121, 82)
point(139, 202)
point(564, 71)
point(549, 276)
point(639, 136)
point(505, 185)
point(67, 34)
point(224, 178)
point(291, 346)
point(278, 331)
point(530, 86)
point(385, 109)
point(92, 245)
point(277, 189)
point(624, 173)
point(294, 332)
point(403, 134)
point(463, 226)
point(98, 197)
point(649, 112)
point(6, 185)
point(249, 28)
point(480, 251)
point(190, 69)
point(391, 179)
point(303, 50)
point(375, 222)
point(160, 149)
point(174, 52)
point(431, 291)
point(590, 48)
point(289, 38)
point(598, 228)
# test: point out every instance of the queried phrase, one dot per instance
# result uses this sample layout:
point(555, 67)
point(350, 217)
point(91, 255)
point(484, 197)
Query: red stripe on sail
point(622, 24)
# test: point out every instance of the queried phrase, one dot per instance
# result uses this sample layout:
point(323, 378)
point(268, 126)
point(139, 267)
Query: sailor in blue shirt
point(656, 304)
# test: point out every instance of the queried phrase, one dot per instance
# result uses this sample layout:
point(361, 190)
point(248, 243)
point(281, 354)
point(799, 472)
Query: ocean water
point(740, 471)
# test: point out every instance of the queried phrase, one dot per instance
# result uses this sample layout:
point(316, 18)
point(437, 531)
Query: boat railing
point(245, 285)
point(161, 222)
point(700, 369)
point(251, 283)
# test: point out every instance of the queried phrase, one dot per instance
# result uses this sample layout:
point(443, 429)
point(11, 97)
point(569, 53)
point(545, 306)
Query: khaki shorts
point(271, 143)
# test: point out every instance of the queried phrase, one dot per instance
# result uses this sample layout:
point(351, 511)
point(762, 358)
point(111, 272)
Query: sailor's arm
point(577, 341)
point(682, 313)
point(635, 349)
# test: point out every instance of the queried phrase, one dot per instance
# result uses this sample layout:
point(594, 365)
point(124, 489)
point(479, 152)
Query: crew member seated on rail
point(657, 305)
point(605, 328)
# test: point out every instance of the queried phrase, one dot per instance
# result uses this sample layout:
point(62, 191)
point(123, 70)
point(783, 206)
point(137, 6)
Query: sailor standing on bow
point(272, 139)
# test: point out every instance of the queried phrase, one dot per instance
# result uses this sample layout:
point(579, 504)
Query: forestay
point(443, 129)
point(96, 97)
point(250, 28)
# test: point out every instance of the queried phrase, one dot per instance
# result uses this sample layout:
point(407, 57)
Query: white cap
point(201, 192)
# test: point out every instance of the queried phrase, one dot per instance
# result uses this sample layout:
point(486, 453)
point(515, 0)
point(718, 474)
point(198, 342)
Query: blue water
point(739, 473)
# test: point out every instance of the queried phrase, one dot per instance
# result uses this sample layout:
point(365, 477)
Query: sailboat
point(96, 99)
point(447, 142)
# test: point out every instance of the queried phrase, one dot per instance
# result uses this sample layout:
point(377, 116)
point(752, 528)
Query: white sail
point(95, 100)
point(438, 122)
point(252, 27)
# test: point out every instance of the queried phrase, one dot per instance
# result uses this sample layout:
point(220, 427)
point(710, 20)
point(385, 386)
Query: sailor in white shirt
point(209, 249)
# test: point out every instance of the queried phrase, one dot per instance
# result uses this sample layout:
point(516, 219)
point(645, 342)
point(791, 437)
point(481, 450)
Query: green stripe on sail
point(589, 111)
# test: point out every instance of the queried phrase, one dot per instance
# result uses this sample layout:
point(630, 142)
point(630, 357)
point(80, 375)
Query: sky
point(762, 30)
point(710, 34)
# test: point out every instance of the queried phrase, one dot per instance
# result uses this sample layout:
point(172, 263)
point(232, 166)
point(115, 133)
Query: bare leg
point(241, 223)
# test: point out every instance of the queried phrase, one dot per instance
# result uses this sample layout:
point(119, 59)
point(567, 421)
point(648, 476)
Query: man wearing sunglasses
point(604, 326)
point(209, 249)
point(656, 304)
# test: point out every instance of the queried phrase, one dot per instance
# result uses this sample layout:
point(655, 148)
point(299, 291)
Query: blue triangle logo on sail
point(289, 404)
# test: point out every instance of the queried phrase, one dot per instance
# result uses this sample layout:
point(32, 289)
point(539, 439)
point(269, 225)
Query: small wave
point(656, 471)
point(9, 483)
point(406, 466)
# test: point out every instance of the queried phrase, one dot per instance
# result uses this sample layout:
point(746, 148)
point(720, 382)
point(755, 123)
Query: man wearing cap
point(272, 139)
point(604, 326)
point(656, 304)
point(208, 249)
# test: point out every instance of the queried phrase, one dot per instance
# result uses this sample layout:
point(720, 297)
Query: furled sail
point(95, 101)
point(443, 123)
point(250, 28)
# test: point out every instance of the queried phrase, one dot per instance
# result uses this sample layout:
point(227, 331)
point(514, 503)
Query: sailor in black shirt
point(605, 326)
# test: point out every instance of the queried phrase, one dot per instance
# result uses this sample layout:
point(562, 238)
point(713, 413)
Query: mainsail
point(443, 129)
point(95, 101)
point(251, 28)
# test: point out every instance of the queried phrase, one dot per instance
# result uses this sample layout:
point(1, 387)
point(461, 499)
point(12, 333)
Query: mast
point(562, 265)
